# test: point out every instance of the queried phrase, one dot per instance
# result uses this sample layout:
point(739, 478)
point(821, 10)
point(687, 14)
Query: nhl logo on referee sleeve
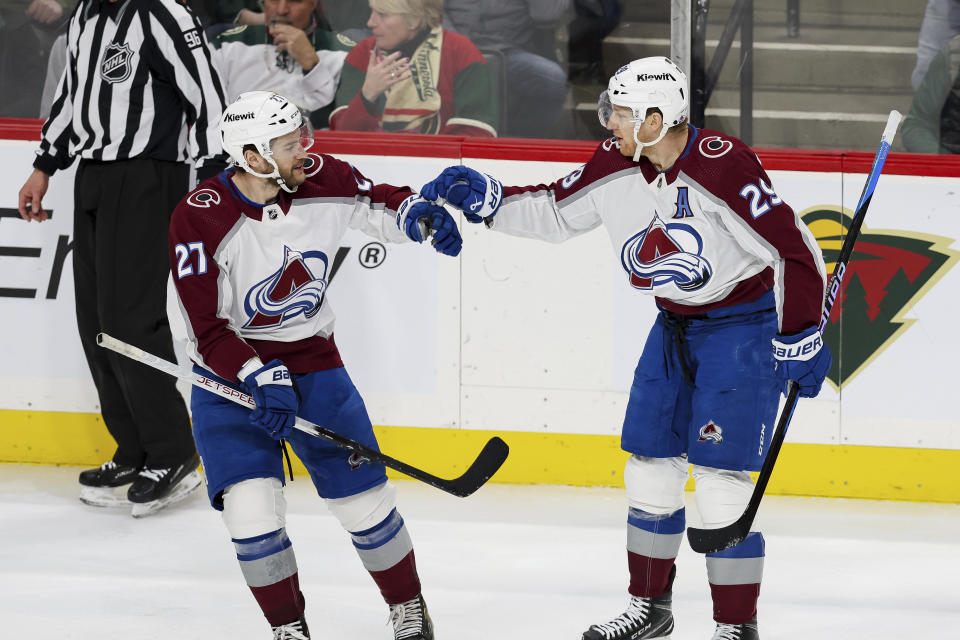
point(116, 62)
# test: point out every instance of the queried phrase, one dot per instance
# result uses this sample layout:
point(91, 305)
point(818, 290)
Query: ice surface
point(509, 563)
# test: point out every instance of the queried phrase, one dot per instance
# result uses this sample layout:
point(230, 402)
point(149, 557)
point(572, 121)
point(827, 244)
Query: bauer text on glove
point(275, 395)
point(804, 358)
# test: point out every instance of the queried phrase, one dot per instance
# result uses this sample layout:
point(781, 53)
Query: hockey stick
point(714, 540)
point(491, 457)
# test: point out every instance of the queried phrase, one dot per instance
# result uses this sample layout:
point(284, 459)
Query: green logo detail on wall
point(888, 273)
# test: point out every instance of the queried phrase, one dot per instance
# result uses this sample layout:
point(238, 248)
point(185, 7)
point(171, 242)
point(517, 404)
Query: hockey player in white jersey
point(695, 222)
point(251, 251)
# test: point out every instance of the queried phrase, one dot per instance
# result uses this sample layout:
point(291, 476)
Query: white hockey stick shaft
point(196, 379)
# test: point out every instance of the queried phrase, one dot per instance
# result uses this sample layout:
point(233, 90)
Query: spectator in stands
point(509, 26)
point(28, 29)
point(941, 21)
point(594, 20)
point(222, 14)
point(412, 75)
point(292, 54)
point(933, 124)
point(348, 17)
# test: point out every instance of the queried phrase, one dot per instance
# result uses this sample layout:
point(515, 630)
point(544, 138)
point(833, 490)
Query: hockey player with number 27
point(251, 251)
point(696, 223)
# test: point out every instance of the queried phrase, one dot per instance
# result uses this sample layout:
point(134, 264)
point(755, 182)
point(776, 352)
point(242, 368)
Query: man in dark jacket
point(536, 85)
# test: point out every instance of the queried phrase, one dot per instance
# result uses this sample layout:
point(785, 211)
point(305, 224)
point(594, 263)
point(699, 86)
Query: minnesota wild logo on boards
point(888, 273)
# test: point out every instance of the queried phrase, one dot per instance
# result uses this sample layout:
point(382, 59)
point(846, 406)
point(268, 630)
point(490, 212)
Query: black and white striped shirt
point(139, 82)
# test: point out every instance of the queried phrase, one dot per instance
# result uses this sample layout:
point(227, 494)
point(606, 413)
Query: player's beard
point(292, 178)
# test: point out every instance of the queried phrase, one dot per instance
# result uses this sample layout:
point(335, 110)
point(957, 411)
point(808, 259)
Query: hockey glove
point(276, 396)
point(476, 194)
point(417, 217)
point(804, 358)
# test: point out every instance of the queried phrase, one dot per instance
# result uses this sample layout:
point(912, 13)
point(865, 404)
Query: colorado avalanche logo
point(312, 164)
point(355, 460)
point(290, 291)
point(711, 432)
point(203, 198)
point(665, 253)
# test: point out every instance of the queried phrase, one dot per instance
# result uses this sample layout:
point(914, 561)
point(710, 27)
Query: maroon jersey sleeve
point(741, 182)
point(200, 224)
point(343, 179)
point(606, 159)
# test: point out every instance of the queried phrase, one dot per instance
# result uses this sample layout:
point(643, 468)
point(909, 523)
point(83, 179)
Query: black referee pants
point(120, 266)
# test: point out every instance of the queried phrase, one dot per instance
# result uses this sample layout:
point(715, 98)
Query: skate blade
point(183, 489)
point(105, 496)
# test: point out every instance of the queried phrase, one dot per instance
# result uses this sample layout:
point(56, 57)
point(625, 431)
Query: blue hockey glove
point(418, 217)
point(804, 358)
point(476, 194)
point(446, 235)
point(276, 397)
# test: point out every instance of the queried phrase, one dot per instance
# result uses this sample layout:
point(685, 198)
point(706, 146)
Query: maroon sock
point(649, 577)
point(282, 602)
point(400, 582)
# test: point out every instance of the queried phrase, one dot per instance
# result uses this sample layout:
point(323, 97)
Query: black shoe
point(745, 631)
point(156, 488)
point(109, 474)
point(97, 485)
point(411, 621)
point(644, 618)
point(296, 630)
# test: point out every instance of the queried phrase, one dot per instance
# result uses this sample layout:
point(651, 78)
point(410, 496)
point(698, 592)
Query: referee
point(138, 99)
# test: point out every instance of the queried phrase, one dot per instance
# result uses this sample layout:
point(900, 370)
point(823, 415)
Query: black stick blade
point(716, 540)
point(491, 458)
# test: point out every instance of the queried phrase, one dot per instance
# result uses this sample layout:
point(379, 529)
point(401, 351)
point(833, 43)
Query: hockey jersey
point(251, 278)
point(247, 60)
point(709, 232)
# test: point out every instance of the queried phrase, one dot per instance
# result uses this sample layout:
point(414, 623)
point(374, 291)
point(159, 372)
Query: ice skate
point(296, 630)
point(98, 487)
point(155, 489)
point(644, 618)
point(410, 620)
point(745, 631)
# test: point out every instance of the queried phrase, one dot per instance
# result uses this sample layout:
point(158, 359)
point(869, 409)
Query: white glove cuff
point(803, 350)
point(276, 375)
point(405, 206)
point(249, 367)
point(494, 194)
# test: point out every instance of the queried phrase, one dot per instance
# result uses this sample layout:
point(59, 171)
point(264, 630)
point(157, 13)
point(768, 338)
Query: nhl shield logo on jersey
point(290, 291)
point(116, 66)
point(666, 253)
point(711, 432)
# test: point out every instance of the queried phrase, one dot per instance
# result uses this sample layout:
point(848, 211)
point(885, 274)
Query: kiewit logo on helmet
point(233, 117)
point(643, 77)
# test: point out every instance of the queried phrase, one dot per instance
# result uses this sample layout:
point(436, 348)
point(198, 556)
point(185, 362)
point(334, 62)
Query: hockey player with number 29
point(251, 251)
point(696, 223)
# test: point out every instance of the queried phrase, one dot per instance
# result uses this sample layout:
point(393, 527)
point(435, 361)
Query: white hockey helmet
point(655, 82)
point(259, 118)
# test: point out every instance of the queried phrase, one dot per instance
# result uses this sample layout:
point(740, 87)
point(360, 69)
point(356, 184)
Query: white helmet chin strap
point(640, 145)
point(275, 175)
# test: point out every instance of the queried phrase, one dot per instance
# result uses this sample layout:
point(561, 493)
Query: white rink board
point(516, 334)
